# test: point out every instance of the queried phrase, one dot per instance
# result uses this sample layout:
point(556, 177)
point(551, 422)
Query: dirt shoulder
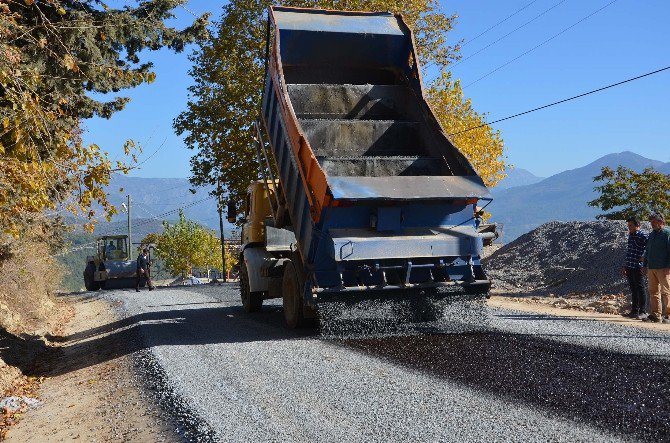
point(90, 390)
point(511, 302)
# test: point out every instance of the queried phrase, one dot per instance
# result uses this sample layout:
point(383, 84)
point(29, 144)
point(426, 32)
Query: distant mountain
point(561, 197)
point(522, 201)
point(153, 197)
point(518, 177)
point(158, 199)
point(140, 228)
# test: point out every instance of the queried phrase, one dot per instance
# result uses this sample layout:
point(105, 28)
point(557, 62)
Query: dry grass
point(28, 283)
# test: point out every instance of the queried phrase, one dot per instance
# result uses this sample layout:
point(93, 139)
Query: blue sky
point(627, 38)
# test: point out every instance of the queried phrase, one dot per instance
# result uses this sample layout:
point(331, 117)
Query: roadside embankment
point(29, 311)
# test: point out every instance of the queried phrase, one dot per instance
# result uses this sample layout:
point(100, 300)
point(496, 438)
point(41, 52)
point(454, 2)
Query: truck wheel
point(292, 295)
point(251, 301)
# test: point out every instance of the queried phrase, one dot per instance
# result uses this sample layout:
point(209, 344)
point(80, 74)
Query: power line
point(165, 214)
point(508, 34)
point(563, 101)
point(498, 24)
point(177, 187)
point(541, 44)
point(137, 166)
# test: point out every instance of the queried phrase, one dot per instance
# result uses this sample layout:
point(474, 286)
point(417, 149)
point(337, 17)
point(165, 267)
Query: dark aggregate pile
point(563, 258)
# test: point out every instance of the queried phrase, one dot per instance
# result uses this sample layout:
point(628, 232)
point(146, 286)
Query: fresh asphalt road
point(516, 377)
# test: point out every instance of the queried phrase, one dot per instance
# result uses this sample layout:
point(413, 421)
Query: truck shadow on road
point(627, 394)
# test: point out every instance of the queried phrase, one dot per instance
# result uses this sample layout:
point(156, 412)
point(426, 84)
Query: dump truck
point(362, 195)
point(111, 266)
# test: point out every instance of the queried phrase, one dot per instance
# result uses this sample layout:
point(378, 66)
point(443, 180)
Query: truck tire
point(251, 301)
point(292, 297)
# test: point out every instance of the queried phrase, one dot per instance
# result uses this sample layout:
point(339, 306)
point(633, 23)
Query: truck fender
point(254, 259)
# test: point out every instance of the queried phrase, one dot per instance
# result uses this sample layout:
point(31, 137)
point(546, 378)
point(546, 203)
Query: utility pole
point(223, 244)
point(130, 238)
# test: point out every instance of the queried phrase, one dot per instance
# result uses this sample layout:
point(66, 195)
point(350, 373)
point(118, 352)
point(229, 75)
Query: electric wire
point(508, 34)
point(498, 24)
point(574, 97)
point(541, 44)
point(137, 166)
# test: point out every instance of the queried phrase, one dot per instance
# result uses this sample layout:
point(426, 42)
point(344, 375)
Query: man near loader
point(657, 264)
point(632, 268)
point(143, 270)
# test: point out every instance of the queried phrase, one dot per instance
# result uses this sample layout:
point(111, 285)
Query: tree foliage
point(232, 257)
point(186, 245)
point(626, 193)
point(483, 146)
point(60, 60)
point(228, 78)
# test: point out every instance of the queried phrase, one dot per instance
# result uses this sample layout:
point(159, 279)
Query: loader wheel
point(292, 294)
point(251, 301)
point(90, 284)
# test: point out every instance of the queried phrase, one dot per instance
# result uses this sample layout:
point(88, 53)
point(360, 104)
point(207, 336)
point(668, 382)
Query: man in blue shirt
point(632, 268)
point(657, 261)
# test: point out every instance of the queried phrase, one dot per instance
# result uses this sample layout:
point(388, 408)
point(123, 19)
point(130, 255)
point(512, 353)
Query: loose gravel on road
point(516, 376)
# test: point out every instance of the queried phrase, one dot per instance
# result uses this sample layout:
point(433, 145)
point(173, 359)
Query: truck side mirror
point(231, 215)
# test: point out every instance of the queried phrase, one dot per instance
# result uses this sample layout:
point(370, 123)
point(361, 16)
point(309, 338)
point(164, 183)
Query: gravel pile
point(563, 258)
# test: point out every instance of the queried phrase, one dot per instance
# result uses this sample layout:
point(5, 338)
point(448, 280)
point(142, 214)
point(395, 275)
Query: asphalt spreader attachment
point(442, 312)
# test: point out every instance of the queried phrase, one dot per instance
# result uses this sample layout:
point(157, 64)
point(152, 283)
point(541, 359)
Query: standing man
point(143, 269)
point(657, 261)
point(632, 268)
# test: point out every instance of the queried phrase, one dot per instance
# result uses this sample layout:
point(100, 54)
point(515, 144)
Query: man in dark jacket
point(657, 261)
point(632, 268)
point(143, 269)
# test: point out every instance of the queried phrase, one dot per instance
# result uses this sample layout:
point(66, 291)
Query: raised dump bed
point(376, 194)
point(367, 130)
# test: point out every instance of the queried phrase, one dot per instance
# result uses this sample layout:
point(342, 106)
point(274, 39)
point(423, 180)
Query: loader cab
point(256, 210)
point(114, 247)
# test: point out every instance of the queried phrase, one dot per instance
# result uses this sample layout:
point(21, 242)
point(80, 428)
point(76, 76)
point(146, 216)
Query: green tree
point(63, 61)
point(186, 245)
point(228, 78)
point(232, 256)
point(209, 256)
point(626, 193)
